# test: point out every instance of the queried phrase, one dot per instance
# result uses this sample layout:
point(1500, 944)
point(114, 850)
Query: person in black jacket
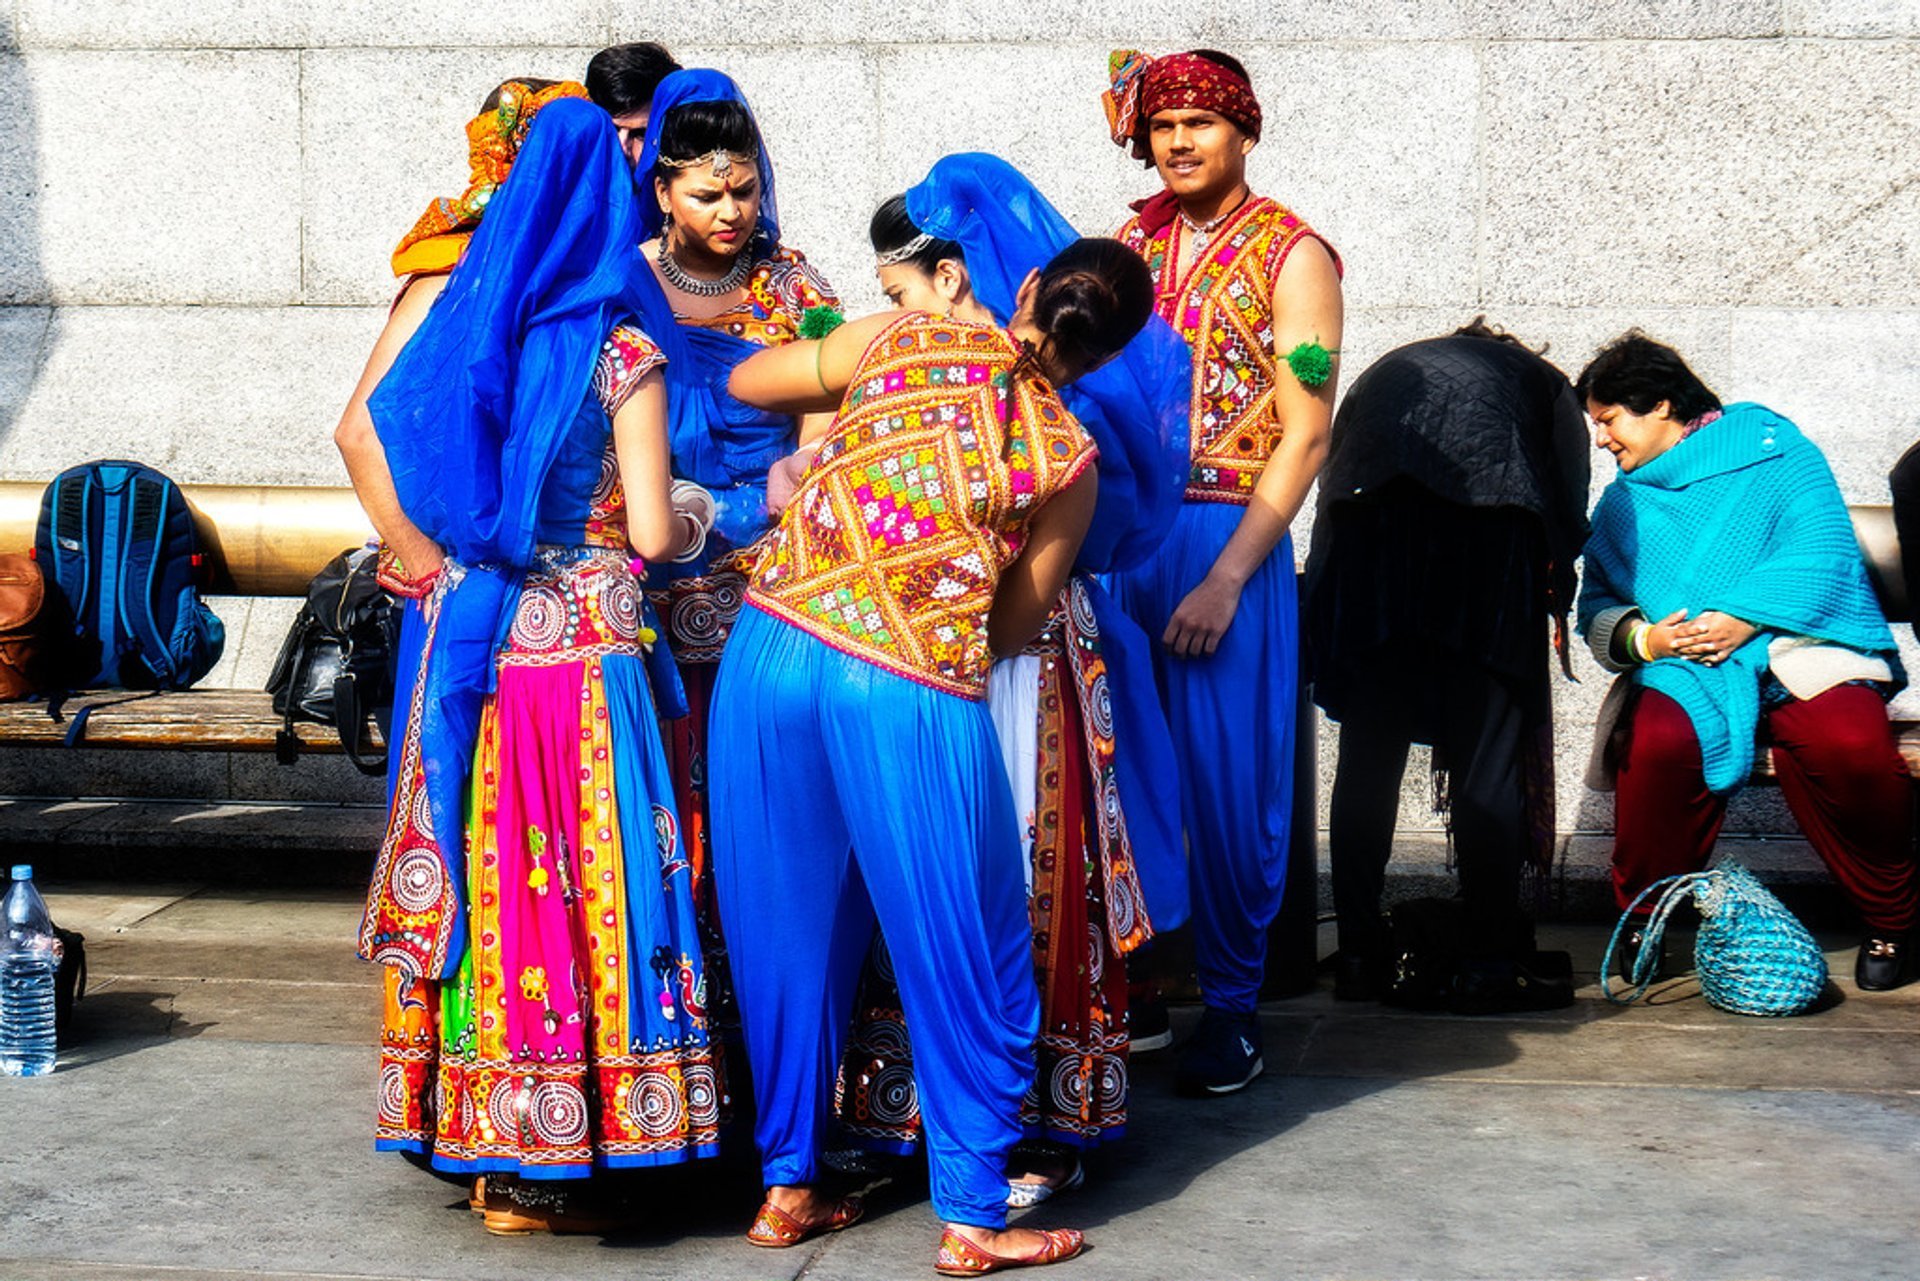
point(1451, 510)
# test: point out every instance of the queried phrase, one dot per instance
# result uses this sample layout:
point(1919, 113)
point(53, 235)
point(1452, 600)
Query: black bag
point(336, 667)
point(1435, 963)
point(69, 982)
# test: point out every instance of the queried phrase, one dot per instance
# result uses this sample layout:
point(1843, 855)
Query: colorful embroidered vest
point(780, 290)
point(1223, 306)
point(894, 544)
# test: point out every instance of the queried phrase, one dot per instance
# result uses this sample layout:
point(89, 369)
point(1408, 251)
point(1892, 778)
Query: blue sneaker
point(1223, 1056)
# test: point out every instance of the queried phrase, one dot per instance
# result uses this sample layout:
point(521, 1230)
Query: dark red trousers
point(1840, 774)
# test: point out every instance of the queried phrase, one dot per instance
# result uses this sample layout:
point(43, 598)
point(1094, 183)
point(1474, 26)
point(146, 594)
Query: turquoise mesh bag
point(1753, 956)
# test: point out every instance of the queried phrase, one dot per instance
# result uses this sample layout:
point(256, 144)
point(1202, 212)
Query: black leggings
point(1483, 733)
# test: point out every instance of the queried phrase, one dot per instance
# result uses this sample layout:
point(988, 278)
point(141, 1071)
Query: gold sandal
point(959, 1257)
point(775, 1229)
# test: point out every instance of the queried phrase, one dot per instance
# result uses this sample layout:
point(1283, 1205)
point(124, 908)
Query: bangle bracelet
point(1640, 641)
point(819, 356)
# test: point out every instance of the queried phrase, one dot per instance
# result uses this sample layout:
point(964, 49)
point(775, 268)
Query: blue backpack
point(122, 563)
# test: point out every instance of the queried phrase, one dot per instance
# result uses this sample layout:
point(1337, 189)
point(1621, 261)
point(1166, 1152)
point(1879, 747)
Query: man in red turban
point(1256, 294)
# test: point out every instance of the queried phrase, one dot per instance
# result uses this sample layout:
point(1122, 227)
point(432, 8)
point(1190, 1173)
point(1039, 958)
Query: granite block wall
point(197, 200)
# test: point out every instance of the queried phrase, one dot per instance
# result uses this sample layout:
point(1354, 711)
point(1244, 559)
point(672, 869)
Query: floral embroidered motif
point(626, 357)
point(1223, 306)
point(780, 290)
point(893, 546)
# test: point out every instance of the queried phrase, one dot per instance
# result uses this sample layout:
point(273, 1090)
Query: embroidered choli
point(919, 499)
point(582, 502)
point(699, 606)
point(780, 289)
point(1222, 304)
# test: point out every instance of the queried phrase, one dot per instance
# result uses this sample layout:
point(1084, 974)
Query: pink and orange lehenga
point(573, 1033)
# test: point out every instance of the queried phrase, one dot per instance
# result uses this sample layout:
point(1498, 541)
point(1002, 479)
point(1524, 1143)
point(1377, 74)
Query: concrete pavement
point(216, 1124)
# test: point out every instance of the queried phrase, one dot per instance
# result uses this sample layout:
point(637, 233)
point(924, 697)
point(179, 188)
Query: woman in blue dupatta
point(525, 430)
point(1723, 579)
point(715, 285)
point(1086, 746)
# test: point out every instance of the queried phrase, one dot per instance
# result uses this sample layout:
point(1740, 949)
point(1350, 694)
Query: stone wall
point(197, 199)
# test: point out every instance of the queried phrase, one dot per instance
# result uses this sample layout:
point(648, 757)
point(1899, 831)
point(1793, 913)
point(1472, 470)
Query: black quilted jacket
point(1474, 421)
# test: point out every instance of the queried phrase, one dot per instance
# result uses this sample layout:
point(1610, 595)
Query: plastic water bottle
point(29, 960)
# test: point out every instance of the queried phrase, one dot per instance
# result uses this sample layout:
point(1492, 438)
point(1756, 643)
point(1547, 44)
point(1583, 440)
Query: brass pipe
point(259, 540)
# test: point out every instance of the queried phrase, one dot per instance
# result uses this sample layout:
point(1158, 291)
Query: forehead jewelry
point(721, 160)
point(895, 256)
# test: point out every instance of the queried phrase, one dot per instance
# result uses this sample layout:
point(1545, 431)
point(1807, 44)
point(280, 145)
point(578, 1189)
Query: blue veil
point(721, 443)
point(1136, 409)
point(476, 408)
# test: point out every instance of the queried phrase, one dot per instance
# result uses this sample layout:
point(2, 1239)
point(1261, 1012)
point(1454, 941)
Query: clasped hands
point(1706, 640)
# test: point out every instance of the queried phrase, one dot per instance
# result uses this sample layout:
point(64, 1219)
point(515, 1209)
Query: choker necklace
point(1202, 232)
point(686, 283)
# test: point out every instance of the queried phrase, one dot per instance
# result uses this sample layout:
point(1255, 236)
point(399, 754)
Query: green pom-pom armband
point(819, 321)
point(1311, 363)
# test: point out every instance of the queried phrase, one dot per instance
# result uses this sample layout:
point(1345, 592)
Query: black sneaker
point(1223, 1056)
point(1148, 1027)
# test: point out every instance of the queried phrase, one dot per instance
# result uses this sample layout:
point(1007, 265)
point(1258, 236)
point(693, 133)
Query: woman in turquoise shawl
point(1723, 579)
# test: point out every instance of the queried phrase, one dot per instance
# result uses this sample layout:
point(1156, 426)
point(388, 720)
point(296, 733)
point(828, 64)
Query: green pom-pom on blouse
point(1311, 363)
point(819, 321)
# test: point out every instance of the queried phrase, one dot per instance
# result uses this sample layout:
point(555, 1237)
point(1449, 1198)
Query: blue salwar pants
point(1232, 719)
point(842, 791)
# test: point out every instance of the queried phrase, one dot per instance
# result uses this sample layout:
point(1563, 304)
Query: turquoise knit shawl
point(1743, 517)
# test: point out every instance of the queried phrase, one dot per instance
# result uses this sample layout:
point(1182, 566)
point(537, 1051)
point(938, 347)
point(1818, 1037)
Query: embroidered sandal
point(1023, 1195)
point(959, 1257)
point(775, 1229)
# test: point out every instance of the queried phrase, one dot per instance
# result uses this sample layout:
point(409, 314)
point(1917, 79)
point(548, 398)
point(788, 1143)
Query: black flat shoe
point(1882, 964)
point(1629, 950)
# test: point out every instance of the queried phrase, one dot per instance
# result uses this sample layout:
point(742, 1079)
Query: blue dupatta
point(474, 413)
point(1136, 409)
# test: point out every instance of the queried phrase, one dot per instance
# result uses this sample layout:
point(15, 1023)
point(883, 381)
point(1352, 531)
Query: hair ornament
point(721, 160)
point(894, 257)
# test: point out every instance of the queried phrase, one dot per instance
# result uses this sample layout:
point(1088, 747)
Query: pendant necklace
point(686, 283)
point(1202, 232)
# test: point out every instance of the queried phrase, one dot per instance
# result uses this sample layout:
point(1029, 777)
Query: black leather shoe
point(1629, 949)
point(1882, 964)
point(1499, 985)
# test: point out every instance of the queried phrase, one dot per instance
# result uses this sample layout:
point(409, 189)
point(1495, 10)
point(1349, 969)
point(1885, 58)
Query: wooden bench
point(259, 540)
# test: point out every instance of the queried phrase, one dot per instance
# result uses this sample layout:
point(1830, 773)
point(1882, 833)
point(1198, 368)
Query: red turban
point(1143, 86)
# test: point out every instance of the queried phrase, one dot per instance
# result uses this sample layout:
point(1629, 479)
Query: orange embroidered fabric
point(779, 291)
point(918, 499)
point(440, 235)
point(1222, 304)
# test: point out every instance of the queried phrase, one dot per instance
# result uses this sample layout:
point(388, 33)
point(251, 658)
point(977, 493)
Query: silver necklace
point(680, 279)
point(1203, 232)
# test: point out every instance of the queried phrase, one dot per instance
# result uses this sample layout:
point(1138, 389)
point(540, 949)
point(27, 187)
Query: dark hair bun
point(1093, 298)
